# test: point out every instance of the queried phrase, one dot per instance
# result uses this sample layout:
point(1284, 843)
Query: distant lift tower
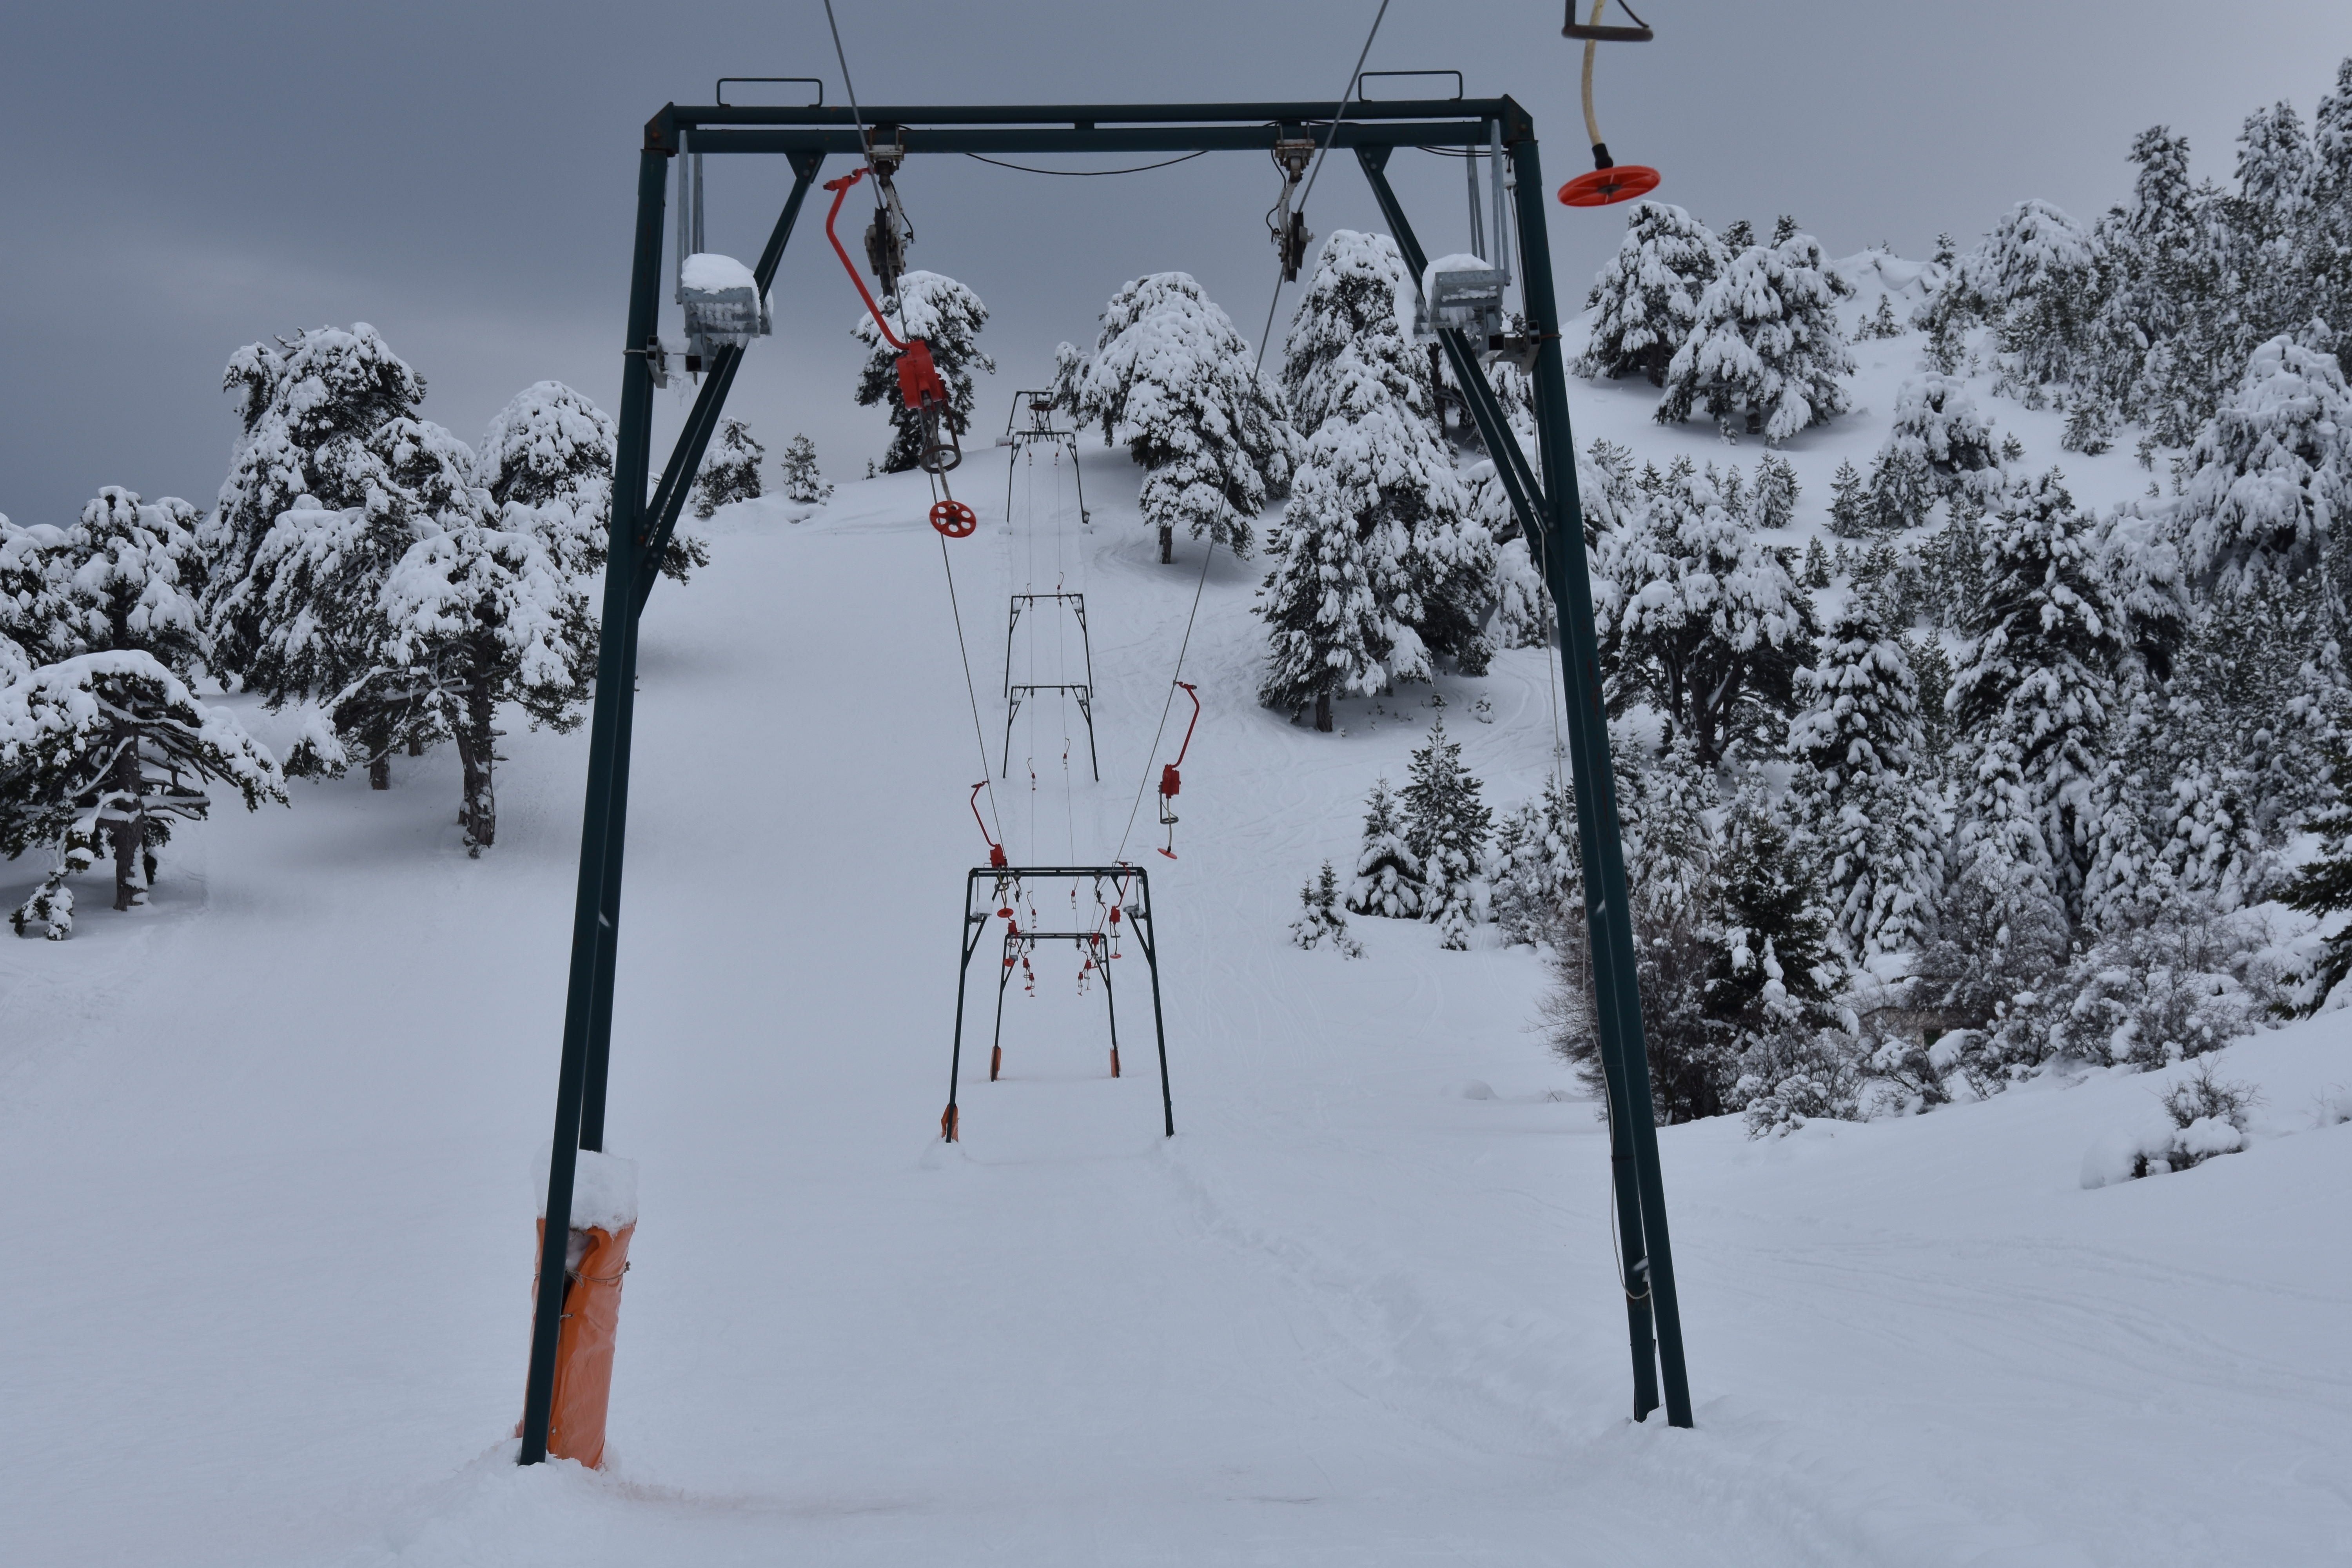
point(1040, 430)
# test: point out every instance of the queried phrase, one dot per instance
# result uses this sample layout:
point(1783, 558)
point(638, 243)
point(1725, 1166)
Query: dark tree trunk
point(380, 770)
point(122, 783)
point(415, 746)
point(480, 811)
point(1167, 544)
point(1323, 711)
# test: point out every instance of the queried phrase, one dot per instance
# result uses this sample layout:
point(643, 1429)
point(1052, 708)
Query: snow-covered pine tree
point(1881, 323)
point(1862, 789)
point(1816, 574)
point(2323, 885)
point(1701, 621)
point(731, 470)
point(2269, 476)
point(1446, 826)
point(1350, 377)
point(108, 750)
point(1319, 916)
point(1771, 952)
point(1772, 505)
point(1328, 631)
point(802, 483)
point(2039, 277)
point(1938, 447)
point(2328, 238)
point(1932, 667)
point(1172, 379)
point(2035, 691)
point(116, 583)
point(948, 317)
point(1645, 301)
point(1538, 872)
point(551, 450)
point(318, 616)
point(2269, 216)
point(1853, 513)
point(1765, 355)
point(1388, 879)
point(475, 614)
point(309, 408)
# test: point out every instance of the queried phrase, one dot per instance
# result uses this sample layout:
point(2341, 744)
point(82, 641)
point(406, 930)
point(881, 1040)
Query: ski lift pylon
point(1609, 182)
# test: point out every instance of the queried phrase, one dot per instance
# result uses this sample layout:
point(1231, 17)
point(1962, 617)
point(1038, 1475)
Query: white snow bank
point(709, 271)
point(604, 1192)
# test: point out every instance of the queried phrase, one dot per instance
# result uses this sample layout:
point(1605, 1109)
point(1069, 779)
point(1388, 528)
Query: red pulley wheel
point(958, 520)
point(1620, 183)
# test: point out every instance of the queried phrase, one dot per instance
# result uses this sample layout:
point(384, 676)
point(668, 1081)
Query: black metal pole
point(970, 940)
point(1596, 789)
point(1147, 937)
point(593, 921)
point(1529, 503)
point(1111, 998)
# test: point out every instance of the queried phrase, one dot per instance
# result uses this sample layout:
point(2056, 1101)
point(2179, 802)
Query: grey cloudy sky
point(184, 178)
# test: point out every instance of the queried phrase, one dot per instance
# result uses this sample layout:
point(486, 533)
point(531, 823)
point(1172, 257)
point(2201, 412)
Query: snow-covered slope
point(268, 1156)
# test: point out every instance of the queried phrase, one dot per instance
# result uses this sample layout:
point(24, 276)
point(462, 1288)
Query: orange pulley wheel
point(1619, 182)
point(958, 520)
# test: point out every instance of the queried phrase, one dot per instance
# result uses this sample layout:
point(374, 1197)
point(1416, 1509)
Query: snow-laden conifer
point(1862, 789)
point(1852, 513)
point(2269, 476)
point(1765, 355)
point(309, 408)
point(1537, 874)
point(2038, 278)
point(801, 480)
point(948, 317)
point(551, 450)
point(1388, 879)
point(116, 583)
point(1646, 299)
point(1173, 379)
point(1319, 917)
point(1349, 378)
point(1328, 630)
point(1447, 825)
point(1938, 447)
point(2034, 689)
point(107, 751)
point(1772, 505)
point(731, 469)
point(1700, 620)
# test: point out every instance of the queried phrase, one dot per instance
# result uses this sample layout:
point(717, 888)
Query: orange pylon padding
point(583, 1348)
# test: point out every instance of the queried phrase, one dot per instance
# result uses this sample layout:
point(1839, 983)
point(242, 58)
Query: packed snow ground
point(269, 1152)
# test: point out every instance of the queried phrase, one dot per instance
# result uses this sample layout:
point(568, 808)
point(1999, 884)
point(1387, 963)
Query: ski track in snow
point(268, 1151)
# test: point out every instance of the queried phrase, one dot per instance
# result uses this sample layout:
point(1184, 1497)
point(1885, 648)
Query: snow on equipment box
point(1463, 294)
point(723, 304)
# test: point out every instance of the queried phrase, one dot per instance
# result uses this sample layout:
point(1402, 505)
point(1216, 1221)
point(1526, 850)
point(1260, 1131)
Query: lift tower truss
point(1542, 492)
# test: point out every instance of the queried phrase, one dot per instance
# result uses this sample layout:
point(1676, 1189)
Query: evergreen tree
point(1881, 323)
point(1446, 827)
point(2271, 473)
point(1932, 667)
point(802, 483)
point(476, 614)
point(1765, 355)
point(2033, 693)
point(1853, 514)
point(1328, 630)
point(1645, 301)
point(1816, 574)
point(1348, 374)
point(1700, 620)
point(552, 451)
point(1771, 950)
point(116, 583)
point(1319, 916)
point(1773, 503)
point(108, 750)
point(1388, 879)
point(2324, 886)
point(1538, 872)
point(1861, 788)
point(1937, 449)
point(948, 317)
point(2327, 237)
point(309, 408)
point(2037, 276)
point(1171, 378)
point(731, 470)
